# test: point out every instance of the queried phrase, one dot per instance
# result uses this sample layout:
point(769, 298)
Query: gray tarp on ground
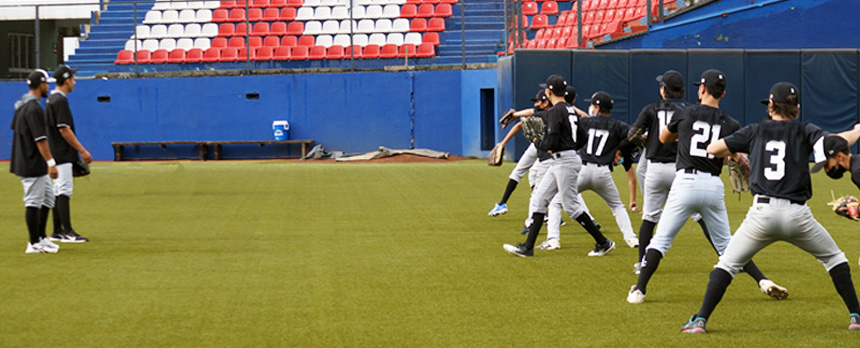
point(386, 152)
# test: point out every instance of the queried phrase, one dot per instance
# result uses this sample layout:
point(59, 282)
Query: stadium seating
point(282, 53)
point(300, 53)
point(335, 52)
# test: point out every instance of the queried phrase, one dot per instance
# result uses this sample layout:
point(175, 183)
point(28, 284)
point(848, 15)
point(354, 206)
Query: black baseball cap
point(672, 80)
point(712, 78)
point(540, 96)
point(570, 97)
point(63, 73)
point(601, 99)
point(833, 144)
point(38, 77)
point(556, 84)
point(780, 92)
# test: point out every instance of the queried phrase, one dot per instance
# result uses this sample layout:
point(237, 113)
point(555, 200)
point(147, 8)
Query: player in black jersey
point(563, 136)
point(779, 149)
point(697, 187)
point(839, 160)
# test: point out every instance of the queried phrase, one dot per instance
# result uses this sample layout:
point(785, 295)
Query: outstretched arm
point(511, 133)
point(631, 185)
point(719, 149)
point(851, 135)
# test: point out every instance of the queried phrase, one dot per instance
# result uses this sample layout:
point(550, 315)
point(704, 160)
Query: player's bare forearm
point(667, 137)
point(69, 136)
point(631, 185)
point(851, 135)
point(511, 133)
point(524, 113)
point(580, 112)
point(719, 149)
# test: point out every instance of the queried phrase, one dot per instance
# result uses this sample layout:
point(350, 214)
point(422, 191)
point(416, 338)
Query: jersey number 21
point(705, 134)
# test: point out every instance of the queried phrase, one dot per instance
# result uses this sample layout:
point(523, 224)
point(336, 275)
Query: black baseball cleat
point(695, 326)
point(74, 237)
point(519, 250)
point(602, 249)
point(57, 236)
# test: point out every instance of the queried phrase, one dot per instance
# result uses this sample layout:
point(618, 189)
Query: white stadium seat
point(211, 4)
point(364, 2)
point(365, 26)
point(400, 25)
point(412, 38)
point(376, 39)
point(178, 5)
point(150, 44)
point(322, 13)
point(331, 27)
point(305, 14)
point(324, 40)
point(312, 3)
point(391, 11)
point(158, 31)
point(185, 44)
point(187, 16)
point(382, 26)
point(129, 45)
point(372, 11)
point(196, 5)
point(313, 28)
point(152, 17)
point(203, 16)
point(359, 39)
point(192, 30)
point(175, 31)
point(142, 32)
point(167, 44)
point(164, 5)
point(209, 30)
point(340, 12)
point(170, 17)
point(341, 40)
point(395, 38)
point(358, 12)
point(344, 27)
point(397, 2)
point(202, 43)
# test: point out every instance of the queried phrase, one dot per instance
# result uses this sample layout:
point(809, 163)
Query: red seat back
point(388, 51)
point(194, 55)
point(176, 56)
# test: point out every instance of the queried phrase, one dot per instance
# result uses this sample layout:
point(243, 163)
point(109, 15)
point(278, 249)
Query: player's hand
point(52, 171)
point(634, 207)
point(617, 158)
point(86, 157)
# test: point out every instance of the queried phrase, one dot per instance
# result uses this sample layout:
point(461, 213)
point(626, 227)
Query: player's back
point(698, 126)
point(604, 135)
point(652, 119)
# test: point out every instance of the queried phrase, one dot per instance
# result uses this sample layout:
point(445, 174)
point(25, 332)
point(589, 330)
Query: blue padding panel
point(645, 66)
point(764, 68)
point(531, 68)
point(431, 116)
point(730, 62)
point(606, 71)
point(829, 89)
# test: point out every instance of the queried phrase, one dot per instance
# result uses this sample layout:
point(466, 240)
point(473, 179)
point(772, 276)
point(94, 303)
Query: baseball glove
point(533, 128)
point(79, 168)
point(496, 155)
point(739, 173)
point(637, 138)
point(846, 206)
point(507, 118)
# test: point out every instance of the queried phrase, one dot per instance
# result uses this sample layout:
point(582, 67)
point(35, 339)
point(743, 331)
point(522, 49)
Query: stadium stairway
point(483, 32)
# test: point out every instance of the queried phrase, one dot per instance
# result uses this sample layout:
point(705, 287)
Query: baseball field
point(289, 254)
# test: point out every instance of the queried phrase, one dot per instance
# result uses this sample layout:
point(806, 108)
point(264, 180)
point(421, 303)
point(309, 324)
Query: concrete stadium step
point(99, 50)
point(110, 35)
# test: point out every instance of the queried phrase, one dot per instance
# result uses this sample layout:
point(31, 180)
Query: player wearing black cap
point(839, 160)
point(65, 148)
point(32, 161)
point(697, 187)
point(779, 149)
point(563, 136)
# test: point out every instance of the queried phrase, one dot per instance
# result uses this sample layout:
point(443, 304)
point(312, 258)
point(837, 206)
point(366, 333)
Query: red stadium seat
point(271, 41)
point(335, 52)
point(271, 14)
point(260, 3)
point(237, 15)
point(550, 43)
point(124, 57)
point(240, 4)
point(261, 29)
point(549, 8)
point(436, 24)
point(226, 29)
point(561, 43)
point(540, 33)
point(159, 56)
point(370, 51)
point(278, 3)
point(299, 53)
point(598, 16)
point(194, 55)
point(409, 11)
point(288, 14)
point(278, 28)
point(432, 38)
point(255, 41)
point(414, 2)
point(255, 14)
point(289, 41)
point(177, 55)
point(562, 17)
point(236, 42)
point(588, 18)
point(243, 54)
point(317, 52)
point(448, 1)
point(306, 40)
point(227, 4)
point(349, 54)
point(630, 14)
point(220, 15)
point(612, 4)
point(388, 51)
point(571, 20)
point(426, 50)
point(622, 4)
point(296, 28)
point(418, 24)
point(213, 54)
point(282, 53)
point(295, 3)
point(407, 50)
point(219, 42)
point(241, 29)
point(530, 8)
point(229, 54)
point(264, 53)
point(539, 21)
point(444, 10)
point(426, 10)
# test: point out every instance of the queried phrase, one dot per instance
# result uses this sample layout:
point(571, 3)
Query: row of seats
point(315, 3)
point(160, 31)
point(593, 17)
point(364, 26)
point(173, 16)
point(232, 54)
point(182, 5)
point(288, 40)
point(548, 8)
point(325, 12)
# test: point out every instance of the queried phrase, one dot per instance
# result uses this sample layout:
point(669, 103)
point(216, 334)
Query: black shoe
point(602, 249)
point(518, 250)
point(525, 230)
point(74, 237)
point(58, 236)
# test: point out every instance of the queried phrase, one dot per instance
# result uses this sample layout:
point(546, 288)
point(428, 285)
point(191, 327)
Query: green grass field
point(256, 254)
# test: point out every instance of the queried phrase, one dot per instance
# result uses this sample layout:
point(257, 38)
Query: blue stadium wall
point(350, 112)
point(759, 24)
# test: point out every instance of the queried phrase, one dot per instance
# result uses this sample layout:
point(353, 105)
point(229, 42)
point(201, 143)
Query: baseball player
point(779, 180)
point(65, 148)
point(563, 136)
point(605, 135)
point(839, 160)
point(697, 187)
point(32, 162)
point(660, 170)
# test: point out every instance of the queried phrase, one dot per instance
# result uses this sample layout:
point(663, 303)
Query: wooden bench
point(119, 152)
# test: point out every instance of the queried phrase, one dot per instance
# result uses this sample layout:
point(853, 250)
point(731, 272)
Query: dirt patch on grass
point(402, 158)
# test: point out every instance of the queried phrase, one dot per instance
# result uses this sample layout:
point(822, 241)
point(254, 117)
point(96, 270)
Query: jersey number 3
point(776, 150)
point(596, 133)
point(705, 134)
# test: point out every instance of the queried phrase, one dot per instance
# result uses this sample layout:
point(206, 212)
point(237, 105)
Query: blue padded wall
point(730, 62)
point(605, 71)
point(829, 88)
point(645, 66)
point(764, 68)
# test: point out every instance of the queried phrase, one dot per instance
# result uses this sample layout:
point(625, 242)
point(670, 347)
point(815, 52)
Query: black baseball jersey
point(652, 119)
point(59, 115)
point(605, 134)
point(855, 170)
point(563, 131)
point(698, 126)
point(28, 125)
point(779, 156)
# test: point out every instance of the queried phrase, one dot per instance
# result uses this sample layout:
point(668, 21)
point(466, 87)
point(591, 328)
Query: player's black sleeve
point(643, 122)
point(676, 120)
point(35, 120)
point(62, 113)
point(581, 134)
point(740, 141)
point(552, 136)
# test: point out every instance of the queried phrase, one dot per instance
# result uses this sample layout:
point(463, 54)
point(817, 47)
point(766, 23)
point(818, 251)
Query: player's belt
point(596, 164)
point(696, 171)
point(766, 200)
point(566, 153)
